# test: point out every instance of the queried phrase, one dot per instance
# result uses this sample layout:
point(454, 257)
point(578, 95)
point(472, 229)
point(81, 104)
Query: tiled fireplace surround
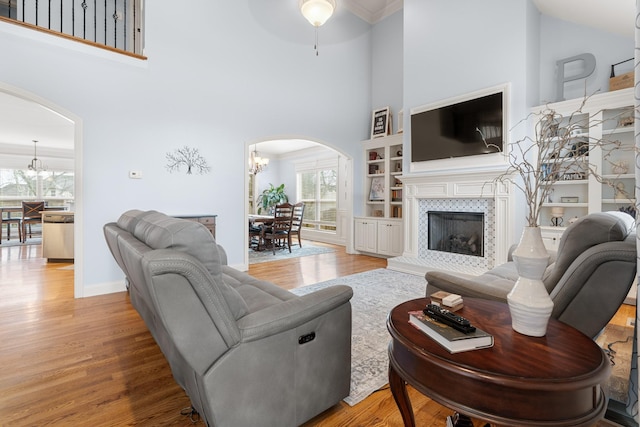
point(457, 191)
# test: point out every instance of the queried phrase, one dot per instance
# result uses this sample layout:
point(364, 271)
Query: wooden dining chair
point(278, 231)
point(11, 220)
point(255, 235)
point(296, 222)
point(31, 214)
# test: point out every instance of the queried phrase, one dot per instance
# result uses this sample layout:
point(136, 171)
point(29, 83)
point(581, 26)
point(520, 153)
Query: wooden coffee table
point(555, 380)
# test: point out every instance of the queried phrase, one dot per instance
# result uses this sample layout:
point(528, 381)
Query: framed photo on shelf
point(377, 189)
point(381, 122)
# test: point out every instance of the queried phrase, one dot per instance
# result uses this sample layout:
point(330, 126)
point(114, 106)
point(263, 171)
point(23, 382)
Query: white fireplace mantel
point(456, 184)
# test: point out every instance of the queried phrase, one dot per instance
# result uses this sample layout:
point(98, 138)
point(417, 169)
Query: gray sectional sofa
point(247, 352)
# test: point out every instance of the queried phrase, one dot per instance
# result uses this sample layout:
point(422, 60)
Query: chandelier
point(317, 13)
point(257, 163)
point(36, 164)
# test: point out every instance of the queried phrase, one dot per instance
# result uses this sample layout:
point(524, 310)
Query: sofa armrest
point(593, 287)
point(486, 286)
point(293, 313)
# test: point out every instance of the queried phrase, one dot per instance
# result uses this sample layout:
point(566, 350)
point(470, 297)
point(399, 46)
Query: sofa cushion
point(160, 231)
point(129, 219)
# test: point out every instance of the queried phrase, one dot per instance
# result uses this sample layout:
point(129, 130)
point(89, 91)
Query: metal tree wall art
point(188, 157)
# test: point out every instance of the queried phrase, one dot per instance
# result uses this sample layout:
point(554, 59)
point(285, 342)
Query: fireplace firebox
point(456, 232)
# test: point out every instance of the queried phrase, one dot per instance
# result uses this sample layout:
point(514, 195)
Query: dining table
point(262, 219)
point(18, 209)
point(256, 220)
point(13, 209)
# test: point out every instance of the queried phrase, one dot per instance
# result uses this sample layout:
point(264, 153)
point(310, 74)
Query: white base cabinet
point(366, 231)
point(379, 236)
point(551, 237)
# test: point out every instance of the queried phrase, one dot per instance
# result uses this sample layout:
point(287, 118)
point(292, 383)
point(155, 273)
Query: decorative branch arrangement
point(189, 157)
point(564, 144)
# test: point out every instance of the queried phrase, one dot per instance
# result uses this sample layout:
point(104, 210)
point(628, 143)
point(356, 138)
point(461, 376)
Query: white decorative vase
point(529, 302)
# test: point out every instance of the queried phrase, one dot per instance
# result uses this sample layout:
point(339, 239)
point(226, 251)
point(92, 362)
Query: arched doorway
point(287, 157)
point(24, 97)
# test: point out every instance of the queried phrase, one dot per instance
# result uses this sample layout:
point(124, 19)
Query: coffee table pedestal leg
point(399, 390)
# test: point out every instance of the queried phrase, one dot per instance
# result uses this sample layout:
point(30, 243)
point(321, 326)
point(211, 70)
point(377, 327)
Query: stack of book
point(453, 340)
point(452, 302)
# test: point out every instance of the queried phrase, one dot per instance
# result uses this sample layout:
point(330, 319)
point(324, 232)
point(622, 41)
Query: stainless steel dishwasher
point(57, 235)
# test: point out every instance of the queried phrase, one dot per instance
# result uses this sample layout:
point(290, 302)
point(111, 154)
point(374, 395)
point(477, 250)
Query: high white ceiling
point(22, 121)
point(614, 16)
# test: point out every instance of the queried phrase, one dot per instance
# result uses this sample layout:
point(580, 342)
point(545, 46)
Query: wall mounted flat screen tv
point(456, 130)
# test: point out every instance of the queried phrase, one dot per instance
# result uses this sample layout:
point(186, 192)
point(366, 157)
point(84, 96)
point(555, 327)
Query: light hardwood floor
point(92, 361)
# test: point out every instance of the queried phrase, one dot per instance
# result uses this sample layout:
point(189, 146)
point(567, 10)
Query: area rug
point(17, 242)
point(307, 249)
point(617, 342)
point(375, 293)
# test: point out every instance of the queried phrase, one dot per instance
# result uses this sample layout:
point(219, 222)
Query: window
point(317, 188)
point(56, 188)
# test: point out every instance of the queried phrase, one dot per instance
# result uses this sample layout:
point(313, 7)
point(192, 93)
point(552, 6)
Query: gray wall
point(244, 71)
point(561, 39)
point(233, 72)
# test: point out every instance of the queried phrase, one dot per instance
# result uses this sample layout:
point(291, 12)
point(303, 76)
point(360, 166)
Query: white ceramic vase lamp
point(529, 302)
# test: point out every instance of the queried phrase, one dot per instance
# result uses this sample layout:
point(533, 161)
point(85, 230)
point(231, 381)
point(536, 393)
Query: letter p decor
point(589, 66)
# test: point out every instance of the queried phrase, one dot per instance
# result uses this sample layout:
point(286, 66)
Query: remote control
point(445, 316)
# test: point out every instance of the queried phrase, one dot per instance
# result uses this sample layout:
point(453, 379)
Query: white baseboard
point(104, 288)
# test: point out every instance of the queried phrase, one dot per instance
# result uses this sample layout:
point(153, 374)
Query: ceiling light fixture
point(256, 163)
point(36, 164)
point(317, 13)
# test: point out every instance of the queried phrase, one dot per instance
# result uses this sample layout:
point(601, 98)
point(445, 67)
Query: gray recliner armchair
point(588, 278)
point(246, 352)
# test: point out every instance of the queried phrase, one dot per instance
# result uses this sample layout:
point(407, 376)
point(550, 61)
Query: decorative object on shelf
point(557, 212)
point(36, 164)
point(257, 163)
point(572, 220)
point(270, 197)
point(381, 122)
point(626, 121)
point(569, 199)
point(573, 176)
point(577, 132)
point(620, 192)
point(189, 157)
point(623, 80)
point(377, 189)
point(378, 213)
point(550, 196)
point(580, 148)
point(620, 167)
point(317, 12)
point(399, 153)
point(529, 302)
point(400, 124)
